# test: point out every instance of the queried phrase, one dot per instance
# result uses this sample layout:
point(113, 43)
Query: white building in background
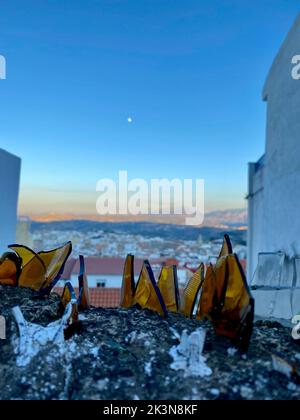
point(274, 181)
point(23, 235)
point(107, 272)
point(10, 167)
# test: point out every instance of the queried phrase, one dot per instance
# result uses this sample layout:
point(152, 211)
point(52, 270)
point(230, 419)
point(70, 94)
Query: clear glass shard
point(268, 274)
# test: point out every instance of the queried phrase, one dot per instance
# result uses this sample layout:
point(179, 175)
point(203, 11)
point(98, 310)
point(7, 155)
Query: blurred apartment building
point(23, 232)
point(10, 167)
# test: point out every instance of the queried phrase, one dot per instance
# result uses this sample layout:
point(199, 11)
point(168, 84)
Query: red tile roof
point(105, 297)
point(100, 297)
point(108, 265)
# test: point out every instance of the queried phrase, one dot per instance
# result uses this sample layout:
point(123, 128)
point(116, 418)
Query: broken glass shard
point(41, 271)
point(226, 247)
point(190, 293)
point(168, 286)
point(147, 294)
point(234, 313)
point(68, 298)
point(187, 356)
point(84, 293)
point(128, 284)
point(208, 295)
point(268, 274)
point(284, 367)
point(10, 266)
point(32, 337)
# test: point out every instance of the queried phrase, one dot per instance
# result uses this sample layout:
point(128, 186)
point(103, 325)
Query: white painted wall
point(10, 167)
point(182, 277)
point(255, 216)
point(110, 280)
point(282, 169)
point(274, 190)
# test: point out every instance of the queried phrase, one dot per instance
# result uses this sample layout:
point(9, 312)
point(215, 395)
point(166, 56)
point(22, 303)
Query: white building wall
point(182, 276)
point(109, 280)
point(255, 215)
point(115, 281)
point(282, 174)
point(274, 222)
point(10, 167)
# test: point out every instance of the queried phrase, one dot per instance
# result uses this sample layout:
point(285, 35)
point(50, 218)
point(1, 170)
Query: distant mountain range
point(222, 219)
point(145, 229)
point(235, 218)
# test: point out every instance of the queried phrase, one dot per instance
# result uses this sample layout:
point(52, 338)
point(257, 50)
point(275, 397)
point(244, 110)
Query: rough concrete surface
point(124, 354)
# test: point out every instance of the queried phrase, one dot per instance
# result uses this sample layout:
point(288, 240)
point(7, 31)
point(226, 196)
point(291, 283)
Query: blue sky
point(190, 74)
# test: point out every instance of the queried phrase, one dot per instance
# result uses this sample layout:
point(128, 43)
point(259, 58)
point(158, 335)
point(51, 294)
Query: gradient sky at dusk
point(189, 73)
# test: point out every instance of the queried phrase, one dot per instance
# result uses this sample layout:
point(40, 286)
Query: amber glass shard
point(208, 298)
point(41, 271)
point(128, 284)
point(226, 247)
point(147, 294)
point(168, 286)
point(8, 273)
point(54, 262)
point(33, 268)
point(234, 317)
point(68, 294)
point(221, 279)
point(190, 293)
point(25, 253)
point(33, 274)
point(84, 293)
